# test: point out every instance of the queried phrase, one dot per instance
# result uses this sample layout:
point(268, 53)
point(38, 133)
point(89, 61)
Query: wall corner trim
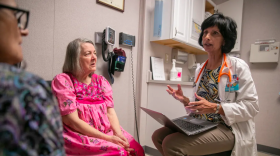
point(267, 149)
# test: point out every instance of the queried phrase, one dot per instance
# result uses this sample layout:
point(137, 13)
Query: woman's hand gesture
point(202, 106)
point(177, 94)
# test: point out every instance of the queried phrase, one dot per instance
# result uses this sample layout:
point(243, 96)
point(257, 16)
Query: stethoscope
point(221, 73)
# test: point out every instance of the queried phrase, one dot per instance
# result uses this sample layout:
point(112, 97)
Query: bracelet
point(217, 109)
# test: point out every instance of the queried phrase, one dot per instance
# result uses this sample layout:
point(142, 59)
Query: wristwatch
point(217, 109)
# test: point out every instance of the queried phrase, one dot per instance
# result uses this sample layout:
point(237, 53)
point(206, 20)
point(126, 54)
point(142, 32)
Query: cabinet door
point(180, 22)
point(196, 17)
point(233, 9)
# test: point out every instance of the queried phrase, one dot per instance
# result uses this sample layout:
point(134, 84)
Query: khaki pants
point(171, 143)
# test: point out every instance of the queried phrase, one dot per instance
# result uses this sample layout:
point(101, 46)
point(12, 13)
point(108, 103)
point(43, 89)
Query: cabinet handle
point(175, 31)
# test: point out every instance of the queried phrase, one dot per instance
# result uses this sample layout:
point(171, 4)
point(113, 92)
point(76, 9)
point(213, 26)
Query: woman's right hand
point(116, 140)
point(127, 145)
point(177, 94)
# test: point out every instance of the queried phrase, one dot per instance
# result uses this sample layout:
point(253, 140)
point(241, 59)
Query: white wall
point(54, 23)
point(260, 22)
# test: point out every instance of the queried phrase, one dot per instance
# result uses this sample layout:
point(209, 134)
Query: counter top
point(171, 82)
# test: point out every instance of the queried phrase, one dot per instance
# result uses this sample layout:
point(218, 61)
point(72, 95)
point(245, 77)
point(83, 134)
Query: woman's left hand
point(202, 106)
point(127, 146)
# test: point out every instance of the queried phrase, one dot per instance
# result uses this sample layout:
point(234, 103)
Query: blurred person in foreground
point(30, 122)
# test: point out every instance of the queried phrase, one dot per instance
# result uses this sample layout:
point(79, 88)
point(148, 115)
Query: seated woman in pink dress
point(90, 123)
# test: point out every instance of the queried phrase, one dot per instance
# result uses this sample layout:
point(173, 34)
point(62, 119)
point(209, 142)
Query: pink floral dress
point(91, 102)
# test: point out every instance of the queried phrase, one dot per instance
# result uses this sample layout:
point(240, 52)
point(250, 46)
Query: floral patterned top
point(30, 122)
point(208, 89)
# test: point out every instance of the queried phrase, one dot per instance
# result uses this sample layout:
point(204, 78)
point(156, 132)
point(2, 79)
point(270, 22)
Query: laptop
point(185, 124)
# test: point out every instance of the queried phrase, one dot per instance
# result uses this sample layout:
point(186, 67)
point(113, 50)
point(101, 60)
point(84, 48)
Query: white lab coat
point(240, 108)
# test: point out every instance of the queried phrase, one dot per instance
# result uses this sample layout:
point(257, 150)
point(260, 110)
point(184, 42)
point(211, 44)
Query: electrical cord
point(109, 56)
point(135, 114)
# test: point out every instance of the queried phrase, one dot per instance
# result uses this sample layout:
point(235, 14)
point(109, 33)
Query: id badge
point(233, 85)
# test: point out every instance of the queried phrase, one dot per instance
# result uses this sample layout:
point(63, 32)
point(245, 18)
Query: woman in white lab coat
point(224, 92)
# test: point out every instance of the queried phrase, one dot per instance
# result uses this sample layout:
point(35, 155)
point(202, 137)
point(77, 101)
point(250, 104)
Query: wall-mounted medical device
point(107, 39)
point(126, 39)
point(110, 36)
point(265, 51)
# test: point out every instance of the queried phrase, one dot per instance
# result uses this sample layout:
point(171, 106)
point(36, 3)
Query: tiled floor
point(259, 154)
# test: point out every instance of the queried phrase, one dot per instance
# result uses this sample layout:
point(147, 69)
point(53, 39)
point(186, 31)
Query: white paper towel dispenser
point(179, 55)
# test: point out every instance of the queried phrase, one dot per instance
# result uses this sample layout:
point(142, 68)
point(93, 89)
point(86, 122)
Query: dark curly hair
point(227, 27)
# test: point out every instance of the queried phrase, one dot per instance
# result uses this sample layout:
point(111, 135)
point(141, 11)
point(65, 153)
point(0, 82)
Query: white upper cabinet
point(196, 17)
point(180, 22)
point(233, 9)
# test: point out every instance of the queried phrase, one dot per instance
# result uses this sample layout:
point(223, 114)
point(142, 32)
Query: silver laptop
point(185, 124)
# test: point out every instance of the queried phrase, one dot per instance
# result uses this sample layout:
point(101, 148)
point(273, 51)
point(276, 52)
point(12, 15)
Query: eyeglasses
point(22, 16)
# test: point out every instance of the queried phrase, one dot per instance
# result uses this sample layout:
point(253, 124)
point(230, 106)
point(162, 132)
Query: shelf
point(209, 7)
point(171, 82)
point(182, 46)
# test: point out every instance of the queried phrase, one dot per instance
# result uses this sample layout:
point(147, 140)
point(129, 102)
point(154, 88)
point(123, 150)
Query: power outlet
point(166, 58)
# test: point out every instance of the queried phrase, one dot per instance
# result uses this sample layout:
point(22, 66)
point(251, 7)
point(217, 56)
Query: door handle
point(175, 31)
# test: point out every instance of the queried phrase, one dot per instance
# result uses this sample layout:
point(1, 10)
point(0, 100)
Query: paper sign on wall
point(196, 30)
point(157, 68)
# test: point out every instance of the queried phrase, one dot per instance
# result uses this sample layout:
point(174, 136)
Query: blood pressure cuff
point(118, 61)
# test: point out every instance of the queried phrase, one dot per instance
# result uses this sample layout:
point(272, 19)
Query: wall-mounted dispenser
point(192, 61)
point(265, 51)
point(179, 55)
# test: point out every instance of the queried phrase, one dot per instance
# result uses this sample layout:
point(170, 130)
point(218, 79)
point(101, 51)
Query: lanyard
point(221, 70)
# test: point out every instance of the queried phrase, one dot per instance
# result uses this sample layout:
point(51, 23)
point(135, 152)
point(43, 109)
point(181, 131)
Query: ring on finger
point(196, 111)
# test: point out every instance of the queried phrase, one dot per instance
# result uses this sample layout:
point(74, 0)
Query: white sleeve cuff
point(229, 116)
